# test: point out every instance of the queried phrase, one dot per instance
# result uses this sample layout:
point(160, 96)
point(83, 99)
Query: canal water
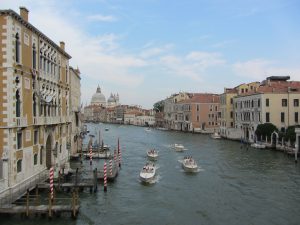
point(233, 186)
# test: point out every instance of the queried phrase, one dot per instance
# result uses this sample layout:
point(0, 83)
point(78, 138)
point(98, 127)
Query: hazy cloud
point(259, 69)
point(102, 18)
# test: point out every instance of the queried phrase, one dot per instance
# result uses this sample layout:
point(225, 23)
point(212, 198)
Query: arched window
point(41, 155)
point(19, 166)
point(33, 56)
point(41, 60)
point(17, 47)
point(35, 159)
point(34, 105)
point(18, 104)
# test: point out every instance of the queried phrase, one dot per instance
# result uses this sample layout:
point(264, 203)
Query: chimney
point(24, 13)
point(62, 45)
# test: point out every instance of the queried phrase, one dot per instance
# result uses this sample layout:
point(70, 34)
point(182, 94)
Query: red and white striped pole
point(91, 154)
point(110, 168)
point(51, 176)
point(105, 177)
point(119, 153)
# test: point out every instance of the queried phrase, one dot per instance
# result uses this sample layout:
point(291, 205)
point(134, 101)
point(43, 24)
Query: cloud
point(193, 65)
point(101, 18)
point(261, 68)
point(155, 51)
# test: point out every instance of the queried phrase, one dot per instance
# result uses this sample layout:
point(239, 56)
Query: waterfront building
point(169, 108)
point(227, 118)
point(200, 113)
point(275, 101)
point(75, 105)
point(35, 105)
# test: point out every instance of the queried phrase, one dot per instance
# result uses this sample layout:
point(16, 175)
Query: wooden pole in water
point(27, 203)
point(36, 195)
point(119, 152)
point(51, 175)
point(110, 168)
point(105, 178)
point(91, 156)
point(95, 180)
point(50, 205)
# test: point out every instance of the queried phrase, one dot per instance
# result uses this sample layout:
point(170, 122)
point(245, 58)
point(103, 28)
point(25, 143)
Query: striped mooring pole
point(105, 177)
point(51, 176)
point(119, 153)
point(91, 154)
point(110, 168)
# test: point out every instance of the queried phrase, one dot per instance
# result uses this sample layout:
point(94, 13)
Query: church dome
point(111, 98)
point(98, 98)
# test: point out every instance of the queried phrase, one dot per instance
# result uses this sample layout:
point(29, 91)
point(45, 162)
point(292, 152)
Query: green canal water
point(234, 185)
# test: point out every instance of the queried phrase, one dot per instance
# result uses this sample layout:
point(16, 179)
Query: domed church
point(98, 98)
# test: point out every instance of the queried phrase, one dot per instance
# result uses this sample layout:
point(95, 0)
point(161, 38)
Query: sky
point(146, 50)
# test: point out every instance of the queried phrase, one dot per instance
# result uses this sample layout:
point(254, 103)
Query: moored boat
point(258, 145)
point(189, 164)
point(178, 147)
point(216, 136)
point(152, 154)
point(147, 174)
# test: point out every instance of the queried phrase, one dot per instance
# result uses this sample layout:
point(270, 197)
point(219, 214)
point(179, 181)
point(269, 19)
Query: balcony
point(21, 122)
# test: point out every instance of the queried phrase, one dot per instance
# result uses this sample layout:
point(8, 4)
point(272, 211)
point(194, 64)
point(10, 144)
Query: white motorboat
point(148, 129)
point(147, 174)
point(178, 147)
point(258, 145)
point(216, 136)
point(152, 154)
point(189, 164)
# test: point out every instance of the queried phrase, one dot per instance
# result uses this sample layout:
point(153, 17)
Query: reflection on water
point(233, 185)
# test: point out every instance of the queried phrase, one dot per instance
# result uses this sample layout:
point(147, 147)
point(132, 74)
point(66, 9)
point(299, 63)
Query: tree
point(159, 106)
point(265, 130)
point(290, 134)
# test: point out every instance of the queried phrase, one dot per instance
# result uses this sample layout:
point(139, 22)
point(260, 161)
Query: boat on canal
point(178, 147)
point(216, 136)
point(258, 145)
point(147, 174)
point(189, 164)
point(152, 154)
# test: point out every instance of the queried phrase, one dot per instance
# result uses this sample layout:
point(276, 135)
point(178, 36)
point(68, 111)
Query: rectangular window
point(267, 102)
point(197, 118)
point(19, 140)
point(284, 102)
point(267, 117)
point(198, 107)
point(282, 117)
point(296, 117)
point(296, 102)
point(231, 124)
point(231, 114)
point(35, 137)
point(231, 101)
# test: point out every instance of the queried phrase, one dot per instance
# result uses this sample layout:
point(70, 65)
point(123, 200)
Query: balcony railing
point(21, 122)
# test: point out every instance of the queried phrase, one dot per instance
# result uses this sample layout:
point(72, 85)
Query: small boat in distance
point(147, 174)
point(148, 129)
point(106, 129)
point(152, 154)
point(258, 145)
point(189, 164)
point(216, 136)
point(178, 147)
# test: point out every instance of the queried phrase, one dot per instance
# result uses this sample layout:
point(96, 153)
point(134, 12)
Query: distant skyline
point(146, 50)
